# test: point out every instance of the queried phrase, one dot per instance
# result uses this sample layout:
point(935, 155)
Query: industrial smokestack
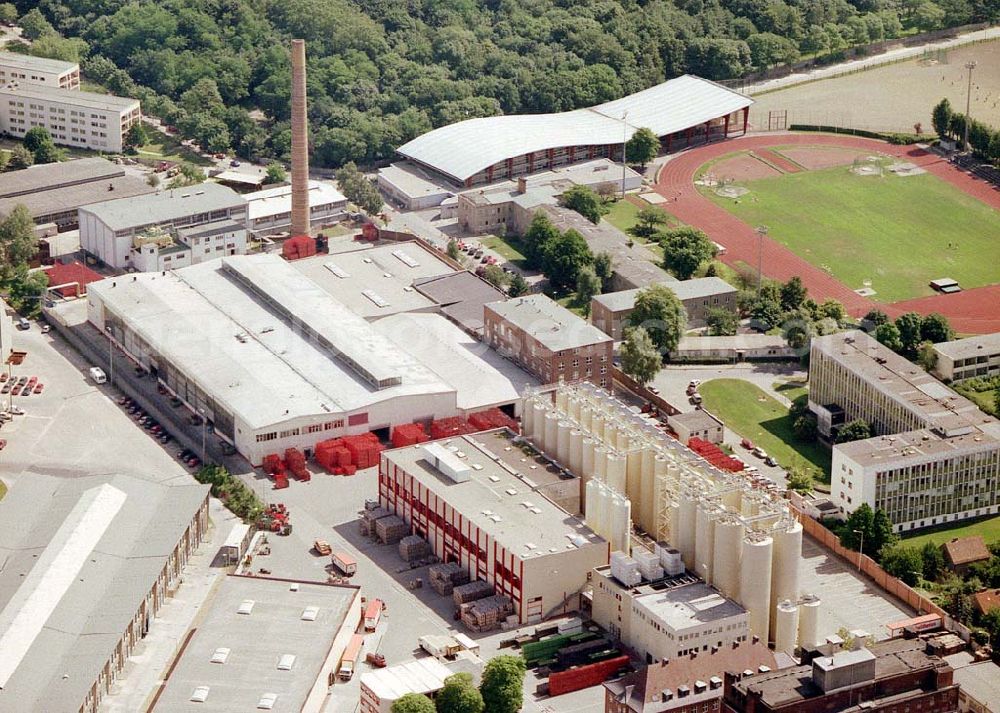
point(300, 142)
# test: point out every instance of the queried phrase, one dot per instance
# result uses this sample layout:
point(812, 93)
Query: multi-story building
point(668, 619)
point(962, 359)
point(158, 249)
point(548, 340)
point(26, 69)
point(113, 231)
point(935, 457)
point(610, 312)
point(893, 676)
point(688, 684)
point(479, 509)
point(269, 211)
point(73, 118)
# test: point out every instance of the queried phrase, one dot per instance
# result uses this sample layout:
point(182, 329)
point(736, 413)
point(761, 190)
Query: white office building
point(269, 211)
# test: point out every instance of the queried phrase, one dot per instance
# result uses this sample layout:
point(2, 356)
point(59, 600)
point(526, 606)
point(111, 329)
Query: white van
point(98, 375)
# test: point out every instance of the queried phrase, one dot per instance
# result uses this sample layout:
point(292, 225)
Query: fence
point(882, 579)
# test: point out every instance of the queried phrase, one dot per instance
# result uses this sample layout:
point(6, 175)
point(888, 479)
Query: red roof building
point(986, 600)
point(75, 276)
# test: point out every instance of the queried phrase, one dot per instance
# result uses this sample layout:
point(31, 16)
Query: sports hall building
point(680, 111)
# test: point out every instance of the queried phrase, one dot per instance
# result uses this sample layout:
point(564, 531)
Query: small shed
point(961, 552)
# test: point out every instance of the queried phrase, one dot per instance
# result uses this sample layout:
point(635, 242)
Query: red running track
point(973, 311)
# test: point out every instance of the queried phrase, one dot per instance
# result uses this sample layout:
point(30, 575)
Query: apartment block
point(26, 69)
point(73, 118)
point(962, 359)
point(548, 340)
point(934, 458)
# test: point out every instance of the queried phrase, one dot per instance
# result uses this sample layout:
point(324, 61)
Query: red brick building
point(894, 676)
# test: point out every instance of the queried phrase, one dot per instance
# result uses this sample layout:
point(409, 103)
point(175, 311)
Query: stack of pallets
point(445, 577)
point(390, 530)
point(471, 592)
point(413, 547)
point(486, 614)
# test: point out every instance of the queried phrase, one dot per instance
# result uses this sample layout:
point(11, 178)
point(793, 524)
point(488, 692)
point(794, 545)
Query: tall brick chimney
point(300, 142)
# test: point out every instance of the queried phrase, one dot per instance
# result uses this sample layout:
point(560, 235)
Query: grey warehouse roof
point(554, 326)
point(165, 206)
point(82, 558)
point(463, 149)
point(698, 288)
point(980, 345)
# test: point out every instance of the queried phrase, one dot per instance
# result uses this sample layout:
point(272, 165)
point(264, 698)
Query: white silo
point(596, 510)
point(587, 461)
point(686, 525)
point(573, 407)
point(809, 607)
point(562, 396)
point(600, 462)
point(731, 498)
point(675, 516)
point(586, 413)
point(610, 432)
point(704, 539)
point(539, 408)
point(620, 522)
point(551, 438)
point(616, 472)
point(786, 626)
point(562, 441)
point(597, 424)
point(755, 582)
point(728, 552)
point(787, 537)
point(633, 476)
point(528, 418)
point(576, 451)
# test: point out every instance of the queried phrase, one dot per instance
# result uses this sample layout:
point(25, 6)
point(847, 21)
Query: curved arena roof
point(463, 149)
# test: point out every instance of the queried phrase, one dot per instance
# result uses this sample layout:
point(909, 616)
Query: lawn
point(985, 400)
point(791, 389)
point(751, 413)
point(623, 215)
point(894, 231)
point(989, 528)
point(163, 147)
point(506, 248)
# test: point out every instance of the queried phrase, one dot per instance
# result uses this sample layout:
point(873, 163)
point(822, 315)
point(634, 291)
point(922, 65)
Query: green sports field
point(895, 231)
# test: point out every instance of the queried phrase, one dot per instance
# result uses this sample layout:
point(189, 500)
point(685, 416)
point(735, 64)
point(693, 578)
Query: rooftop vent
point(246, 606)
point(286, 662)
point(220, 655)
point(309, 614)
point(267, 701)
point(200, 694)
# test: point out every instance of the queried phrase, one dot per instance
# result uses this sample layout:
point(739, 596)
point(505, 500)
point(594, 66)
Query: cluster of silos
point(609, 514)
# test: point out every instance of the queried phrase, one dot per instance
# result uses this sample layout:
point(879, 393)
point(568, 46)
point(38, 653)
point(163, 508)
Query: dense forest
point(384, 71)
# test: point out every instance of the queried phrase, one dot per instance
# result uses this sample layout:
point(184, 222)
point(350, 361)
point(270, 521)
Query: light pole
point(761, 231)
point(111, 359)
point(970, 65)
point(624, 141)
point(201, 412)
point(861, 546)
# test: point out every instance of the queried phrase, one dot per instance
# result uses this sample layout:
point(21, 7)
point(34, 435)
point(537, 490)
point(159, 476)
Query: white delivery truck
point(98, 375)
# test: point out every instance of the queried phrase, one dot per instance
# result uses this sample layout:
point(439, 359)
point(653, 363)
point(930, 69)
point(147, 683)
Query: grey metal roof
point(980, 345)
point(551, 324)
point(697, 288)
point(134, 525)
point(256, 643)
point(461, 296)
point(165, 206)
point(41, 64)
point(463, 149)
point(89, 100)
point(52, 188)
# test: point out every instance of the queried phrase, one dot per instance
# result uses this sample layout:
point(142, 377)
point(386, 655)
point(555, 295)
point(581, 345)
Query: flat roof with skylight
point(277, 648)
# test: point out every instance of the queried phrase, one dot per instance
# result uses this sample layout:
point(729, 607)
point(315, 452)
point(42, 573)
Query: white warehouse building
point(274, 361)
point(269, 211)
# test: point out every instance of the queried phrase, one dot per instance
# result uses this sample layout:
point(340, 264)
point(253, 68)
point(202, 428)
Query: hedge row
point(891, 137)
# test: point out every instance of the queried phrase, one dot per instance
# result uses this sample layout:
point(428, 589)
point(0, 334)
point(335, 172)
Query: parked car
point(760, 452)
point(747, 443)
point(694, 383)
point(234, 163)
point(771, 461)
point(695, 398)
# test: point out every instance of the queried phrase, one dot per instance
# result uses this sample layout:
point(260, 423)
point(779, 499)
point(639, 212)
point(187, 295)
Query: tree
point(585, 202)
point(649, 219)
point(39, 142)
point(518, 285)
point(684, 250)
point(34, 25)
point(537, 237)
point(640, 358)
point(928, 16)
point(909, 325)
point(359, 189)
point(721, 322)
point(933, 561)
point(904, 563)
point(604, 269)
point(588, 285)
point(935, 328)
point(20, 158)
point(856, 430)
point(564, 256)
point(926, 356)
point(799, 480)
point(459, 695)
point(18, 241)
point(833, 309)
point(187, 175)
point(793, 293)
point(275, 173)
point(888, 335)
point(661, 314)
point(765, 313)
point(768, 49)
point(452, 250)
point(643, 147)
point(874, 527)
point(941, 117)
point(502, 684)
point(804, 427)
point(413, 703)
point(873, 319)
point(495, 275)
point(152, 180)
point(8, 12)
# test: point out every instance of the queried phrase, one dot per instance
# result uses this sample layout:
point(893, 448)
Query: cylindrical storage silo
point(601, 463)
point(731, 498)
point(538, 422)
point(633, 477)
point(573, 407)
point(755, 582)
point(586, 412)
point(704, 540)
point(576, 451)
point(687, 522)
point(587, 462)
point(787, 537)
point(786, 626)
point(562, 396)
point(620, 523)
point(610, 433)
point(562, 441)
point(594, 501)
point(528, 418)
point(675, 516)
point(551, 438)
point(597, 424)
point(809, 607)
point(616, 472)
point(728, 551)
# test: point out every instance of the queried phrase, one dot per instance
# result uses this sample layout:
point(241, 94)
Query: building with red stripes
point(470, 499)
